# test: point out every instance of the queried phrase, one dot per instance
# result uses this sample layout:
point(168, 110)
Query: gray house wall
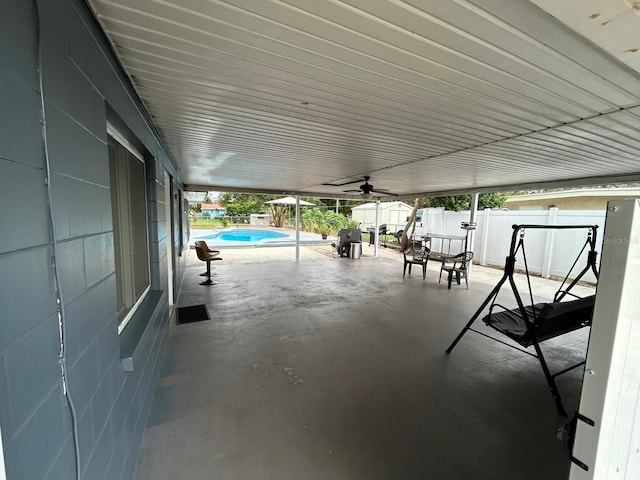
point(63, 229)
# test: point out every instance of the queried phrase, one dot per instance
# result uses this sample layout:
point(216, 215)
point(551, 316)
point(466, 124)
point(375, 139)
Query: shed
point(391, 213)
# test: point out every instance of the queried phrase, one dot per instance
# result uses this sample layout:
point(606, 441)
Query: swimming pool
point(246, 237)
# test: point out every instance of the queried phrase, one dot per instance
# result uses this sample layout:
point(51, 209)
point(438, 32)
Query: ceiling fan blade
point(343, 182)
point(367, 189)
point(385, 192)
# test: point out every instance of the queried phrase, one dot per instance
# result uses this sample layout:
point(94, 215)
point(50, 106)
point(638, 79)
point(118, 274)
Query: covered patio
point(113, 110)
point(335, 368)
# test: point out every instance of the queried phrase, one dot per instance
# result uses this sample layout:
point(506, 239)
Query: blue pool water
point(257, 237)
point(247, 235)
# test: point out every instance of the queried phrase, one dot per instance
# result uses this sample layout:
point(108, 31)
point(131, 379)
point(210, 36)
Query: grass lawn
point(208, 223)
point(389, 240)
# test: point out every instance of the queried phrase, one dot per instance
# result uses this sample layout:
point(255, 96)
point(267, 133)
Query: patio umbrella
point(288, 201)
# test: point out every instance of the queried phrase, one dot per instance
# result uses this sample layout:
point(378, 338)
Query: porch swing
point(532, 324)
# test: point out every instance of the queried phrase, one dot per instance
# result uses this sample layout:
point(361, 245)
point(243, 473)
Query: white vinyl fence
point(549, 252)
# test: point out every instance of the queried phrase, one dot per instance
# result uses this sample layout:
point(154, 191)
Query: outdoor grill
point(382, 230)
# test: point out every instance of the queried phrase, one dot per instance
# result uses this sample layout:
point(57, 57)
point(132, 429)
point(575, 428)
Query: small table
point(426, 238)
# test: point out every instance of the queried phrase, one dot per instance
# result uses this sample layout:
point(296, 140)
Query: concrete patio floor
point(335, 369)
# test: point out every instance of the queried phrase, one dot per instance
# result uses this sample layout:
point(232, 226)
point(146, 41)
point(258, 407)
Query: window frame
point(135, 153)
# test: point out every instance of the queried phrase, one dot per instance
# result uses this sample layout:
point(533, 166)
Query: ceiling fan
point(366, 189)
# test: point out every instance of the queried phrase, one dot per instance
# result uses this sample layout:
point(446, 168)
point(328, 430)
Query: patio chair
point(418, 255)
point(456, 265)
point(208, 257)
point(207, 249)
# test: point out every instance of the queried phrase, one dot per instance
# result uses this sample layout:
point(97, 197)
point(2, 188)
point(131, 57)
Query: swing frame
point(530, 315)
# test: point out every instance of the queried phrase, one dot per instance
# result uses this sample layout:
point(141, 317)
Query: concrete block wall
point(83, 88)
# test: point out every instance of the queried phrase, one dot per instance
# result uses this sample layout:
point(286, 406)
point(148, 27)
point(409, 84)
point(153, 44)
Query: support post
point(377, 229)
point(485, 236)
point(611, 386)
point(297, 228)
point(548, 248)
point(471, 234)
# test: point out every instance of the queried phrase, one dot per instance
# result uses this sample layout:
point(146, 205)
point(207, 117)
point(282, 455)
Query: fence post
point(548, 247)
point(485, 237)
point(443, 222)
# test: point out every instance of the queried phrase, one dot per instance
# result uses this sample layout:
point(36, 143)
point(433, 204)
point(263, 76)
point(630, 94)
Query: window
point(130, 237)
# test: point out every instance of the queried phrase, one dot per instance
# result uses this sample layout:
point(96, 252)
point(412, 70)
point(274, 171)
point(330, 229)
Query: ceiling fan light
point(365, 196)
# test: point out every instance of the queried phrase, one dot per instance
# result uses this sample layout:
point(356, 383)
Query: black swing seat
point(531, 325)
point(551, 320)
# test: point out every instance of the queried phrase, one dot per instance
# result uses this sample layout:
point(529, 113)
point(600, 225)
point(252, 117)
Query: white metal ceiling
point(425, 96)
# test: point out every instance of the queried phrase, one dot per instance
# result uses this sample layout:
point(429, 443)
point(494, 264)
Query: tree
point(278, 213)
point(344, 206)
point(492, 200)
point(463, 202)
point(451, 202)
point(322, 221)
point(404, 240)
point(244, 203)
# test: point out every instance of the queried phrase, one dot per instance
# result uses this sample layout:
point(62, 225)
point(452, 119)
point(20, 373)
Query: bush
point(310, 218)
point(322, 222)
point(336, 221)
point(351, 224)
